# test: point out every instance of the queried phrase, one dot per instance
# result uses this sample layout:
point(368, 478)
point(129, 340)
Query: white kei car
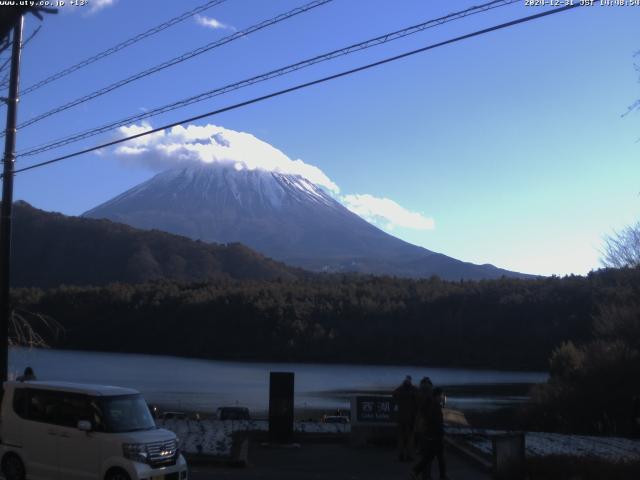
point(72, 431)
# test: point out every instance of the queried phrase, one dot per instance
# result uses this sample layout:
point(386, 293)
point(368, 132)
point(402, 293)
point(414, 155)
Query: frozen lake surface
point(205, 385)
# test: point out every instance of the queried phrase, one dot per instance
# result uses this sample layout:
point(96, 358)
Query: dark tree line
point(507, 323)
point(595, 383)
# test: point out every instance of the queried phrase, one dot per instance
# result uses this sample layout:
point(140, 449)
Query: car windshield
point(123, 413)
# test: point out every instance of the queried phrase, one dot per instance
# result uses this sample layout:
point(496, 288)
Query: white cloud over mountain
point(211, 143)
point(386, 213)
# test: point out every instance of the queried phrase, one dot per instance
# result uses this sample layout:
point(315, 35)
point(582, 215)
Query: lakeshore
point(177, 383)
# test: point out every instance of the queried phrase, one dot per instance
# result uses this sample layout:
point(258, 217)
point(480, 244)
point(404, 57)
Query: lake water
point(205, 385)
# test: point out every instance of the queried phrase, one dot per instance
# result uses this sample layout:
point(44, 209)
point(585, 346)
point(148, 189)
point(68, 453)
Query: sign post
point(373, 419)
point(373, 409)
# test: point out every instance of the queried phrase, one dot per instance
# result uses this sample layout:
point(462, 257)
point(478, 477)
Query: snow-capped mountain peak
point(284, 216)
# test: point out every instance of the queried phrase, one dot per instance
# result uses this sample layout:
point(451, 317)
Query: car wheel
point(13, 468)
point(117, 474)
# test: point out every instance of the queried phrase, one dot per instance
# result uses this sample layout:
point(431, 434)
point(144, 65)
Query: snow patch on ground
point(214, 437)
point(541, 444)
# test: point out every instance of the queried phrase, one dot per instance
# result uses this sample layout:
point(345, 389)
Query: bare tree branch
point(622, 249)
point(635, 105)
point(27, 329)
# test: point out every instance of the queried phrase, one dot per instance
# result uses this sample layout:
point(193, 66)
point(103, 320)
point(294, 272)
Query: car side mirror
point(84, 425)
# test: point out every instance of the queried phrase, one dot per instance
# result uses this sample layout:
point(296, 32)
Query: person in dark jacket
point(432, 437)
point(424, 399)
point(405, 400)
point(423, 403)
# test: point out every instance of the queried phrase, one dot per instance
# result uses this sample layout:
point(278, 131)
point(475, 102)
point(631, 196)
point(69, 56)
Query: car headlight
point(135, 451)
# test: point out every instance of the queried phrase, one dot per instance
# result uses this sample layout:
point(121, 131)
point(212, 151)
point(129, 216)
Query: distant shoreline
point(293, 362)
point(475, 368)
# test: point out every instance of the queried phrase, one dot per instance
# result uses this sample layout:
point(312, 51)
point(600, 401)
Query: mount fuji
point(283, 216)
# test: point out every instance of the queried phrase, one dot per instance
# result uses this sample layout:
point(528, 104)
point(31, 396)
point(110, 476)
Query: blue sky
point(513, 144)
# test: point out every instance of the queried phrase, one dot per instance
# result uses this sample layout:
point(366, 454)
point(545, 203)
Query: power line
point(121, 45)
point(305, 85)
point(4, 81)
point(5, 45)
point(176, 60)
point(388, 37)
point(24, 44)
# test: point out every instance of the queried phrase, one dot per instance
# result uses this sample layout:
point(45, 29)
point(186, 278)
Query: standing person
point(423, 404)
point(27, 375)
point(435, 433)
point(424, 399)
point(432, 444)
point(405, 399)
point(425, 394)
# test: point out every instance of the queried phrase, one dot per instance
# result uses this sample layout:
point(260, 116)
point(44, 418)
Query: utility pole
point(7, 200)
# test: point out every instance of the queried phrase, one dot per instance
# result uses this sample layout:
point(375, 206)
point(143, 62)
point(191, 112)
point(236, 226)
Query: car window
point(125, 413)
point(71, 409)
point(42, 405)
point(96, 416)
point(20, 402)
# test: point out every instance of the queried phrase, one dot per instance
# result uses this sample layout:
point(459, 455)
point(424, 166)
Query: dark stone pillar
point(281, 407)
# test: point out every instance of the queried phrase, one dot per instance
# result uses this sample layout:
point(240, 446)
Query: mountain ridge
point(283, 216)
point(51, 249)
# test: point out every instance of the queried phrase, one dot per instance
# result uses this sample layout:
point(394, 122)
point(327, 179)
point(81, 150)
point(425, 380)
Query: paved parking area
point(319, 461)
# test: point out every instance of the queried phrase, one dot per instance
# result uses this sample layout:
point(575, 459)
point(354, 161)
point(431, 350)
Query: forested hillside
point(506, 323)
point(51, 249)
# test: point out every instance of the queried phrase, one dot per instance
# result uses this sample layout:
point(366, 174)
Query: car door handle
point(65, 435)
point(52, 432)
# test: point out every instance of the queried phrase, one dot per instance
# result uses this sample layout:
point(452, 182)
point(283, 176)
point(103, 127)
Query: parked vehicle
point(233, 413)
point(173, 416)
point(72, 431)
point(335, 419)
